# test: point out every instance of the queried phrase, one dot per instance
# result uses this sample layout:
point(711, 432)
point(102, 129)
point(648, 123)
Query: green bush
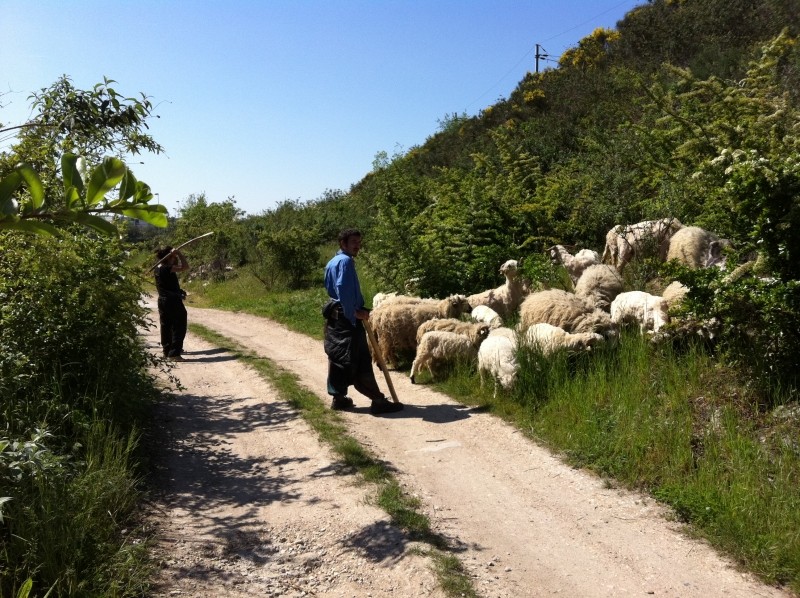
point(73, 384)
point(69, 343)
point(288, 257)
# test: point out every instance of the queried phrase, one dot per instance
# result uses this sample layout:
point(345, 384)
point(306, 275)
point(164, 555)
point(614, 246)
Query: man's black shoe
point(339, 403)
point(384, 406)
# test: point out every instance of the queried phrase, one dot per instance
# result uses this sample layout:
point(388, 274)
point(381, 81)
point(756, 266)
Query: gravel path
point(252, 504)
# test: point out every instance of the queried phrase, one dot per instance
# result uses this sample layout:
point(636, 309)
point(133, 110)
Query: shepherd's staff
point(379, 358)
point(153, 267)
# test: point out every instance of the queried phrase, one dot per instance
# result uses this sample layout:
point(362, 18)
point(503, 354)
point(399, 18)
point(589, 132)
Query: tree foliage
point(226, 248)
point(45, 178)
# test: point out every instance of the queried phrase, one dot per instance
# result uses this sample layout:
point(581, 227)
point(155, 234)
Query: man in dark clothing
point(349, 360)
point(171, 312)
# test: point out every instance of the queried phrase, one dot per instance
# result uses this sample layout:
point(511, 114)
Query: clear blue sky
point(273, 100)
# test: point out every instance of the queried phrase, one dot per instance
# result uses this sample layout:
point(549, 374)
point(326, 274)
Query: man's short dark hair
point(345, 235)
point(163, 252)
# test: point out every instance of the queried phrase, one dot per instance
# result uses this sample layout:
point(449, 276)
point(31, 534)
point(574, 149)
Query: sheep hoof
point(412, 380)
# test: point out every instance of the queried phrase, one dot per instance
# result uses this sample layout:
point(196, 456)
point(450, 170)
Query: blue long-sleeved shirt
point(341, 282)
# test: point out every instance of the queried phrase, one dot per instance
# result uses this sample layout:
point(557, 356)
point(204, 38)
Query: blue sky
point(274, 100)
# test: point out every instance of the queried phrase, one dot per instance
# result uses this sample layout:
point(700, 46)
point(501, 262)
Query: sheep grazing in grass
point(396, 322)
point(484, 313)
point(697, 248)
point(497, 358)
point(506, 298)
point(565, 310)
point(574, 264)
point(440, 347)
point(475, 331)
point(626, 241)
point(599, 284)
point(649, 312)
point(549, 339)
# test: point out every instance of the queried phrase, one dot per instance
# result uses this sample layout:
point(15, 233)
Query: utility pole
point(539, 55)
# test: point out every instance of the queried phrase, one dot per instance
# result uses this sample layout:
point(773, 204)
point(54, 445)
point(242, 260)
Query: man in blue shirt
point(349, 359)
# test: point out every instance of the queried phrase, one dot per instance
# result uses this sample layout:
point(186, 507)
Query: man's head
point(350, 241)
point(165, 256)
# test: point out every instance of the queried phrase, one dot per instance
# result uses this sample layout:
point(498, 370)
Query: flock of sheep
point(438, 332)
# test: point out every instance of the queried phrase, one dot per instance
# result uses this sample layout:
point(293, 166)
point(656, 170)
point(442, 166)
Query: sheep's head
point(454, 306)
point(585, 341)
point(509, 268)
point(594, 340)
point(555, 254)
point(481, 332)
point(716, 253)
point(600, 322)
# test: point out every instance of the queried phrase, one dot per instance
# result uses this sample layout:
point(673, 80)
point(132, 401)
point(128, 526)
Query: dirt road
point(252, 505)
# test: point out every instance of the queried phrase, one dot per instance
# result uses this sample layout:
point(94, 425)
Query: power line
point(543, 56)
point(587, 21)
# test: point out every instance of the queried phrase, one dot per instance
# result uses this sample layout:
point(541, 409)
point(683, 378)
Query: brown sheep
point(395, 324)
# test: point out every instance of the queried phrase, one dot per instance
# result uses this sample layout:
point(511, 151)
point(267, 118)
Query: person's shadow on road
point(438, 414)
point(208, 356)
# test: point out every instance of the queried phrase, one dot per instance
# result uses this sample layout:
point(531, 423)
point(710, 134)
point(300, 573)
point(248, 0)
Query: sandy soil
point(251, 503)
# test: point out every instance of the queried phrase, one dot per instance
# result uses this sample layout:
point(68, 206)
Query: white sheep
point(550, 339)
point(650, 312)
point(484, 313)
point(696, 248)
point(440, 347)
point(506, 298)
point(497, 357)
point(626, 241)
point(509, 333)
point(565, 310)
point(475, 331)
point(574, 264)
point(599, 284)
point(395, 322)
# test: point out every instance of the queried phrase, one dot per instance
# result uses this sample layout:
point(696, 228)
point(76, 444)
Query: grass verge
point(329, 425)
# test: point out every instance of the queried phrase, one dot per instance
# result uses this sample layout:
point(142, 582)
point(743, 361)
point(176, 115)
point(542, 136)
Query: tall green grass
point(64, 520)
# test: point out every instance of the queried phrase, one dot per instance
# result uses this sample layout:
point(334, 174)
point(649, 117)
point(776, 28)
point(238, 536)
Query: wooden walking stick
point(379, 358)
